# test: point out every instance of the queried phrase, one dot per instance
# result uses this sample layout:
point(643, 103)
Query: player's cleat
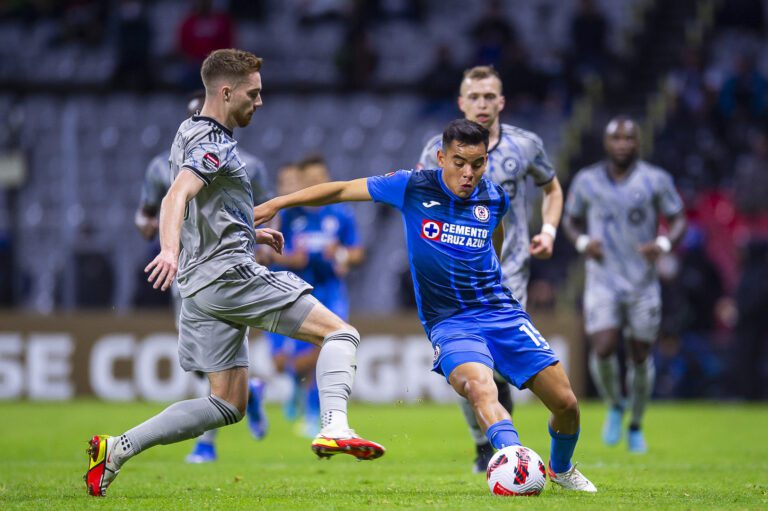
point(612, 425)
point(636, 441)
point(257, 416)
point(484, 455)
point(571, 480)
point(202, 453)
point(346, 441)
point(102, 469)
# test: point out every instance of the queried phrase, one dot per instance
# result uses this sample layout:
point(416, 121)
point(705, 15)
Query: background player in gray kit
point(207, 234)
point(513, 156)
point(157, 181)
point(612, 216)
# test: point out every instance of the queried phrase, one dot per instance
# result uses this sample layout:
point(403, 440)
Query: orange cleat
point(326, 444)
point(101, 468)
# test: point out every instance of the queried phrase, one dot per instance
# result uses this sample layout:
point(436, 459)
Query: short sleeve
point(156, 182)
point(541, 168)
point(207, 159)
point(428, 159)
point(259, 180)
point(667, 198)
point(390, 188)
point(348, 228)
point(576, 202)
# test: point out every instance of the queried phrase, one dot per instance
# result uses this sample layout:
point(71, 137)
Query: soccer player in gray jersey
point(514, 155)
point(157, 180)
point(207, 235)
point(612, 217)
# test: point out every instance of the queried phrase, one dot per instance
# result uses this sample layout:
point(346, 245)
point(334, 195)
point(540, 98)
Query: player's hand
point(594, 250)
point(541, 246)
point(162, 270)
point(651, 251)
point(264, 212)
point(270, 237)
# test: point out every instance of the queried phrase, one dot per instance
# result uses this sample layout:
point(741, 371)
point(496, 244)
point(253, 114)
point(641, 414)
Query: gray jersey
point(158, 178)
point(622, 215)
point(517, 155)
point(217, 232)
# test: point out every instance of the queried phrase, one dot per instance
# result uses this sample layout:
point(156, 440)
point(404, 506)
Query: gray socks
point(180, 421)
point(605, 374)
point(335, 374)
point(640, 380)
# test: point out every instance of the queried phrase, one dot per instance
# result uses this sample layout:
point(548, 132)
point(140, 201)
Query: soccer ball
point(516, 470)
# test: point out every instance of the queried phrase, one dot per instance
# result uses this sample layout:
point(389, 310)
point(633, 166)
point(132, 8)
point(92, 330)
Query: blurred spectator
point(491, 34)
point(745, 92)
point(589, 35)
point(523, 84)
point(134, 40)
point(752, 328)
point(751, 180)
point(83, 21)
point(439, 82)
point(314, 12)
point(357, 59)
point(688, 83)
point(202, 31)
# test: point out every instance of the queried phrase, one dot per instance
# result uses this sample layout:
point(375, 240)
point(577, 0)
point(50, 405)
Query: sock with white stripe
point(335, 374)
point(180, 421)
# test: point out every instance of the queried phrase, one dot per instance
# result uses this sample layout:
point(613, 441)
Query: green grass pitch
point(702, 456)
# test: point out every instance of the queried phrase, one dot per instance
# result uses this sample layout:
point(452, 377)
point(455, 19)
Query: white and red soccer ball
point(516, 471)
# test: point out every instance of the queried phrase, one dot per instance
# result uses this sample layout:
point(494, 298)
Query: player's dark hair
point(228, 63)
point(465, 133)
point(311, 159)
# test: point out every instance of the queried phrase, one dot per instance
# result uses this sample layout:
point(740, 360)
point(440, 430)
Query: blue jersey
point(314, 230)
point(450, 249)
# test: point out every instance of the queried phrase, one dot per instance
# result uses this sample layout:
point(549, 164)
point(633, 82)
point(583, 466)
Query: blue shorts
point(502, 339)
point(334, 301)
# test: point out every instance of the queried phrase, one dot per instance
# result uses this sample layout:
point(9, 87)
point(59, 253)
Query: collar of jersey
point(214, 121)
point(452, 195)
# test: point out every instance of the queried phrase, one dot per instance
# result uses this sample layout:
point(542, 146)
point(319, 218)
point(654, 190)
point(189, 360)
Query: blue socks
point(503, 434)
point(561, 450)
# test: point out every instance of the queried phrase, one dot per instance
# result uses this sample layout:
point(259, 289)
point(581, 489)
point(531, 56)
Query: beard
point(243, 119)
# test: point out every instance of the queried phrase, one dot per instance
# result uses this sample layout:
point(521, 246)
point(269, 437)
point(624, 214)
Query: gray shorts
point(638, 311)
point(214, 322)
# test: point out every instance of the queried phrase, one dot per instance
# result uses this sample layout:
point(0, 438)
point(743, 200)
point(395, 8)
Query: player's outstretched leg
point(641, 374)
point(551, 385)
point(483, 448)
point(604, 368)
point(255, 412)
point(335, 375)
point(180, 421)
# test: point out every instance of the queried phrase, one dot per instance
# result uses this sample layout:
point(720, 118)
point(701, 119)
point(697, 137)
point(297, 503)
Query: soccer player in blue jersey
point(514, 156)
point(321, 245)
point(452, 218)
point(612, 217)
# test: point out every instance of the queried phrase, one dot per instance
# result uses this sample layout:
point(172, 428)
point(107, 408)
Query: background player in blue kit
point(321, 244)
point(452, 218)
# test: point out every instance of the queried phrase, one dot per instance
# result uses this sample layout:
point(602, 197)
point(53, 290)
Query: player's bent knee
point(566, 405)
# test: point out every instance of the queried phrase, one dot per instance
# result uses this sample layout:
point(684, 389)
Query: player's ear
point(226, 93)
point(502, 102)
point(440, 158)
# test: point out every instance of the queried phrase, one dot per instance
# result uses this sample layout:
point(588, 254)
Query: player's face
point(246, 98)
point(463, 166)
point(288, 180)
point(481, 100)
point(622, 142)
point(315, 174)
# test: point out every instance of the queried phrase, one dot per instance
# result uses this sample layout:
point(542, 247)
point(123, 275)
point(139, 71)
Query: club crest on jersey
point(437, 354)
point(510, 166)
point(211, 161)
point(481, 213)
point(430, 229)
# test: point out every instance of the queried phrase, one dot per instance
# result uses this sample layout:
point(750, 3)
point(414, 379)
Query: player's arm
point(664, 242)
point(162, 269)
point(318, 195)
point(146, 221)
point(498, 239)
point(576, 232)
point(551, 210)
